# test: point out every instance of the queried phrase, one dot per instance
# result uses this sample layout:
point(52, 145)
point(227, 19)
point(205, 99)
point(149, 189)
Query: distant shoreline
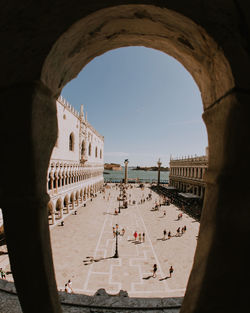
point(150, 168)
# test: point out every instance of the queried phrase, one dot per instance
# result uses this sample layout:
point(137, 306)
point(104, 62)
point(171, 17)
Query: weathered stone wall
point(101, 302)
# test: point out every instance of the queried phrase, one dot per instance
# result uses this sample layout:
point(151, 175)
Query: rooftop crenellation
point(67, 105)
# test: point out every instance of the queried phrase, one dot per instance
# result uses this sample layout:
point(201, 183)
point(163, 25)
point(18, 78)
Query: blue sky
point(145, 104)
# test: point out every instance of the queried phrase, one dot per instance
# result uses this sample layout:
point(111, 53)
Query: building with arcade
point(187, 174)
point(75, 172)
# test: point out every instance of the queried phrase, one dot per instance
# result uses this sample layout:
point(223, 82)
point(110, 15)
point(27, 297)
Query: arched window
point(83, 148)
point(96, 152)
point(71, 142)
point(100, 153)
point(89, 148)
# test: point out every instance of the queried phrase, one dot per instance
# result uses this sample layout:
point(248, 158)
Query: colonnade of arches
point(65, 202)
point(63, 174)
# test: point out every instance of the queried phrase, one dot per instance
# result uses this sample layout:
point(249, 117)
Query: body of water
point(135, 175)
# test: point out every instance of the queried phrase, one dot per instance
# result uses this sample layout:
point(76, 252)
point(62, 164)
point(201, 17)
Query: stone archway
point(66, 203)
point(59, 208)
point(220, 66)
point(51, 211)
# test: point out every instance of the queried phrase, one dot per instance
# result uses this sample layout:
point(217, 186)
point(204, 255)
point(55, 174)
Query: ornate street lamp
point(159, 171)
point(116, 255)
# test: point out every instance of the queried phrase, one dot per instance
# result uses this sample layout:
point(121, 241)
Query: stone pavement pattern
point(89, 234)
point(84, 246)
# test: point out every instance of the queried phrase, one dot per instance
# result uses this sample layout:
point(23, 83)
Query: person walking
point(171, 271)
point(154, 270)
point(143, 237)
point(164, 234)
point(178, 232)
point(67, 289)
point(70, 285)
point(139, 237)
point(169, 234)
point(2, 273)
point(135, 235)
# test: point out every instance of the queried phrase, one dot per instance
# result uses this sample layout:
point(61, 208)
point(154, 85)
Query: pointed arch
point(71, 141)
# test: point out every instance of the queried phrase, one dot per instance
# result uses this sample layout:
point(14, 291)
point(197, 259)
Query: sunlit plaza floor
point(84, 246)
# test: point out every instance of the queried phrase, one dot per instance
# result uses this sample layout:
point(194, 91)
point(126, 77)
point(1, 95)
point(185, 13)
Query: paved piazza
point(84, 246)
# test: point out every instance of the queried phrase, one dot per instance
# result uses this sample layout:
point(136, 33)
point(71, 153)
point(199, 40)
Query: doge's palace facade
point(75, 172)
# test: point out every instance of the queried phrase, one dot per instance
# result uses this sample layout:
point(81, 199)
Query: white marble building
point(75, 173)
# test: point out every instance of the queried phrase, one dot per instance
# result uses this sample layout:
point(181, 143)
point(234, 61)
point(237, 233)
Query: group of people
point(165, 234)
point(141, 236)
point(179, 232)
point(179, 217)
point(171, 270)
point(68, 287)
point(157, 205)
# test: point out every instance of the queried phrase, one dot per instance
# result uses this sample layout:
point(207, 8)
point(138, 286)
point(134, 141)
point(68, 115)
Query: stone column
point(51, 182)
point(53, 218)
point(159, 172)
point(31, 110)
point(56, 181)
point(61, 212)
point(126, 171)
point(226, 206)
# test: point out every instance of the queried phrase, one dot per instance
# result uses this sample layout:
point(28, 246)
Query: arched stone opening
point(226, 114)
point(51, 213)
point(66, 203)
point(59, 208)
point(71, 142)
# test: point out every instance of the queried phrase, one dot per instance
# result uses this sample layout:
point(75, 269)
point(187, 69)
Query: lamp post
point(120, 199)
point(159, 172)
point(126, 172)
point(116, 255)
